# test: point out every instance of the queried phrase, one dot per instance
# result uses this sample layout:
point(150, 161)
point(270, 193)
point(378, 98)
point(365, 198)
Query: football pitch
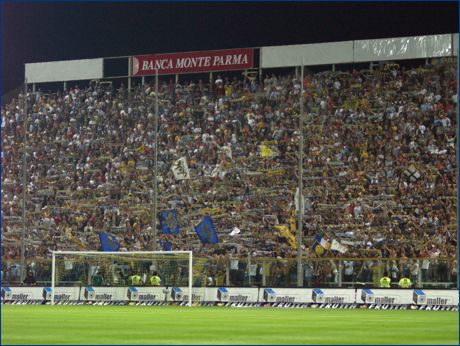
point(221, 325)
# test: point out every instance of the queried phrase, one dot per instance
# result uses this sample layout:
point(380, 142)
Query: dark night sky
point(34, 32)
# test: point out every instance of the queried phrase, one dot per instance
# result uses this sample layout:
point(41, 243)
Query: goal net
point(167, 270)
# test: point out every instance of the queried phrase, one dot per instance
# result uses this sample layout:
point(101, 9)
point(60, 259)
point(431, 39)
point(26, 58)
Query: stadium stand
point(380, 174)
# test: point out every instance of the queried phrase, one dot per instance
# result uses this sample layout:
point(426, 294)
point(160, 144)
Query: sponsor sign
point(197, 294)
point(66, 293)
point(192, 62)
point(104, 293)
point(441, 297)
point(152, 294)
point(334, 296)
point(383, 296)
point(289, 295)
point(235, 294)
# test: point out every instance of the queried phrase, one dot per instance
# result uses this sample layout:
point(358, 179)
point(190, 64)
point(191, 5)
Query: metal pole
point(300, 201)
point(210, 81)
point(53, 272)
point(190, 278)
point(249, 268)
point(24, 187)
point(155, 168)
point(129, 74)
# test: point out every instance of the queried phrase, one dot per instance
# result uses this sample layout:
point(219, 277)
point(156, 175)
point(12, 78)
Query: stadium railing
point(282, 272)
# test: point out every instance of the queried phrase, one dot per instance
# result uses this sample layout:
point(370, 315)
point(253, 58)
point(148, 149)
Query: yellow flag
point(266, 151)
point(284, 232)
point(292, 223)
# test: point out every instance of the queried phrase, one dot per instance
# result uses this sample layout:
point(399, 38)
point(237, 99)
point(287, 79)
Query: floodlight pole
point(155, 168)
point(24, 187)
point(300, 196)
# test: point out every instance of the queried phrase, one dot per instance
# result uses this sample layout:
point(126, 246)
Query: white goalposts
point(122, 269)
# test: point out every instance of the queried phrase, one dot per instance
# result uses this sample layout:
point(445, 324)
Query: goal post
point(122, 269)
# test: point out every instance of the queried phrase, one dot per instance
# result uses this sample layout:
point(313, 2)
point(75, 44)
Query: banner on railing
point(319, 296)
point(193, 62)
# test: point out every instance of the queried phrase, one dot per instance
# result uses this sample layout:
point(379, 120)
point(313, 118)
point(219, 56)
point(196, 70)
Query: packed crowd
point(379, 174)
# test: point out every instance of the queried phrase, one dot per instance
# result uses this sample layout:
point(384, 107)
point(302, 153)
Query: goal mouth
point(108, 275)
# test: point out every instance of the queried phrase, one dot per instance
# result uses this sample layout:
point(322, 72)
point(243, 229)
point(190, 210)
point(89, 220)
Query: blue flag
point(166, 245)
point(168, 222)
point(206, 231)
point(108, 242)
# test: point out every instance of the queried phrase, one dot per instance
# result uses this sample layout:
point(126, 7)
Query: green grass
point(214, 325)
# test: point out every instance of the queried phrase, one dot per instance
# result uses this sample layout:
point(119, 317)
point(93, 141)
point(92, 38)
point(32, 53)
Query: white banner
point(312, 54)
point(400, 48)
point(180, 169)
point(335, 245)
point(69, 70)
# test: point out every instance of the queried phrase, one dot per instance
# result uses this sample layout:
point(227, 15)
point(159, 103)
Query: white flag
point(180, 169)
point(218, 171)
point(235, 231)
point(338, 247)
point(228, 151)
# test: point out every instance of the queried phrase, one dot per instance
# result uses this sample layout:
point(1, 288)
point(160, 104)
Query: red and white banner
point(205, 61)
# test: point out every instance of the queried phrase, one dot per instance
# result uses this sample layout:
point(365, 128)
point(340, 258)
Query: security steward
point(135, 280)
point(385, 281)
point(405, 283)
point(155, 280)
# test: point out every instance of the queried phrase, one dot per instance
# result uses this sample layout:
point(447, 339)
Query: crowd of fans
point(379, 173)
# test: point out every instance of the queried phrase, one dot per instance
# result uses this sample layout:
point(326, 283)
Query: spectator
point(155, 279)
point(380, 166)
point(30, 279)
